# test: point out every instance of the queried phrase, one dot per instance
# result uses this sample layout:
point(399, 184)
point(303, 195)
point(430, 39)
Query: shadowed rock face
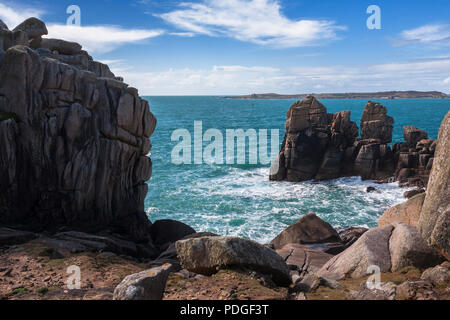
point(74, 139)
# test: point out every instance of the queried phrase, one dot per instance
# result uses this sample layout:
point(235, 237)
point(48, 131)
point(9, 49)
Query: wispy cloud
point(256, 21)
point(431, 34)
point(14, 16)
point(101, 39)
point(433, 74)
point(95, 39)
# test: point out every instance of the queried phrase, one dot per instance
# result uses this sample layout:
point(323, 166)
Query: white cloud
point(226, 80)
point(95, 39)
point(432, 34)
point(256, 21)
point(14, 17)
point(100, 39)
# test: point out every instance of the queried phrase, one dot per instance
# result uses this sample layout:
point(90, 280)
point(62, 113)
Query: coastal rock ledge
point(74, 139)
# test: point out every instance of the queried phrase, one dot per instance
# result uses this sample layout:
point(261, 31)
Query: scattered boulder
point(438, 275)
point(407, 248)
point(165, 232)
point(434, 222)
point(170, 255)
point(371, 249)
point(145, 285)
point(415, 290)
point(411, 193)
point(407, 212)
point(349, 235)
point(206, 255)
point(302, 258)
point(385, 291)
point(307, 230)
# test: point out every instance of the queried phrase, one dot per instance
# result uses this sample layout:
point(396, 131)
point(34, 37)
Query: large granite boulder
point(303, 258)
point(206, 255)
point(309, 229)
point(371, 249)
point(407, 248)
point(146, 285)
point(434, 222)
point(390, 248)
point(74, 141)
point(407, 212)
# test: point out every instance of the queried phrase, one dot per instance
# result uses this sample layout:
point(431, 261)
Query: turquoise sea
point(239, 199)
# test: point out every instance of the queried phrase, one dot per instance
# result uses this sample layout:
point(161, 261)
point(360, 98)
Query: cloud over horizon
point(256, 21)
point(431, 74)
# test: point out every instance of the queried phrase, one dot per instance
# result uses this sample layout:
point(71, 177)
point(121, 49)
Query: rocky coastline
point(74, 161)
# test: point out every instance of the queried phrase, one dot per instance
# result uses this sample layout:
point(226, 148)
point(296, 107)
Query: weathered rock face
point(309, 229)
point(322, 146)
point(434, 222)
point(407, 212)
point(376, 124)
point(414, 158)
point(206, 255)
point(314, 144)
point(391, 248)
point(74, 139)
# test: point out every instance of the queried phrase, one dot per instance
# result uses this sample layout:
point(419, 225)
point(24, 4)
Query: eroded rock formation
point(434, 222)
point(323, 146)
point(74, 138)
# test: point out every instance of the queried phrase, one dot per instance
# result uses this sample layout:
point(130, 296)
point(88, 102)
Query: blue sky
point(253, 46)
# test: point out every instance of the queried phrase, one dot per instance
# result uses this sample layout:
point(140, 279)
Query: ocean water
point(239, 199)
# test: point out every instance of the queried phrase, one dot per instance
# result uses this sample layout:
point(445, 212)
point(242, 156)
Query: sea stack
point(74, 138)
point(322, 146)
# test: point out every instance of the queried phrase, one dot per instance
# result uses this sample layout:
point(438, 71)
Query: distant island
point(361, 95)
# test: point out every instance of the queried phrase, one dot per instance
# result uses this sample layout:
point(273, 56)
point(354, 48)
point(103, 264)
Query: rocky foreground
point(73, 165)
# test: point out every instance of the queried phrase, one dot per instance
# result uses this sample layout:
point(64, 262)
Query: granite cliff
point(74, 139)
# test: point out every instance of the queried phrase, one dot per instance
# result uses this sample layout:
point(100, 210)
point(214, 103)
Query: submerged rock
point(206, 255)
point(434, 222)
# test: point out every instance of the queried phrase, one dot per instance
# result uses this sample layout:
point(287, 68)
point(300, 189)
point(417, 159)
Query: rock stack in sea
point(321, 146)
point(74, 138)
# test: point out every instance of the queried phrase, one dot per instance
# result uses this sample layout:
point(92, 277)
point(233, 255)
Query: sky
point(233, 47)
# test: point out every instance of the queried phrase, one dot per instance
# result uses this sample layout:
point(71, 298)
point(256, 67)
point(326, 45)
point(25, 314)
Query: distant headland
point(361, 95)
